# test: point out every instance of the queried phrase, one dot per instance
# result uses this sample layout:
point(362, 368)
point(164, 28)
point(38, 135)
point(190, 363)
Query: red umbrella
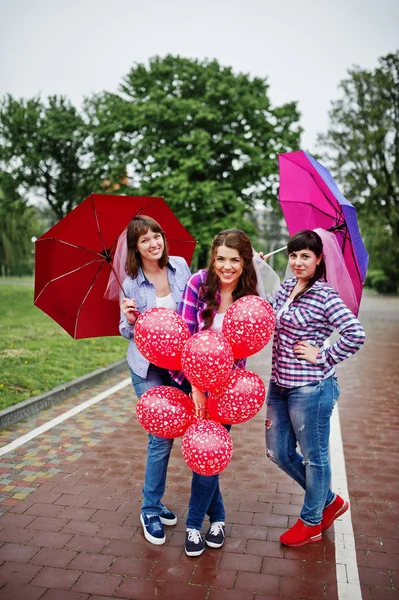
point(74, 258)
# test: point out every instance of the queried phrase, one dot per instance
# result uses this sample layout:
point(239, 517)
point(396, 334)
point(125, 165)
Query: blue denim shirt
point(144, 294)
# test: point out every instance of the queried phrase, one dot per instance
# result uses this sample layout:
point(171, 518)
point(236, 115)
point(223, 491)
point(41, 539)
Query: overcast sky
point(303, 47)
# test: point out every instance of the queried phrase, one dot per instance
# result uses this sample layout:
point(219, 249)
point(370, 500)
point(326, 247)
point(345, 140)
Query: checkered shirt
point(312, 318)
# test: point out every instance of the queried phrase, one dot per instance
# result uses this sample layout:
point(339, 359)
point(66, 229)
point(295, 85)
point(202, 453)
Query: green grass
point(37, 355)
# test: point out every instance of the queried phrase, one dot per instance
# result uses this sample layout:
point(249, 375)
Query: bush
point(379, 281)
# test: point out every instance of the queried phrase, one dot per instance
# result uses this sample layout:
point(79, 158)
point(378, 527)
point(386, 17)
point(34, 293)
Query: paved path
point(71, 498)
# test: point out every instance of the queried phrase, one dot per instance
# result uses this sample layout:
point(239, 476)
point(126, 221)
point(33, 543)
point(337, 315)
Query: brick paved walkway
point(71, 497)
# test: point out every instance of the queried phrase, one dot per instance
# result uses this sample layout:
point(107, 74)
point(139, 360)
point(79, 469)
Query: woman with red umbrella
point(154, 280)
point(303, 387)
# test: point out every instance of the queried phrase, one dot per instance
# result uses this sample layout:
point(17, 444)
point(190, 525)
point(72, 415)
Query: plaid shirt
point(144, 294)
point(191, 308)
point(312, 318)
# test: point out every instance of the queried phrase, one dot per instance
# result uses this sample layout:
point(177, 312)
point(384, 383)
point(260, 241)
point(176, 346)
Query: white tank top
point(166, 302)
point(218, 322)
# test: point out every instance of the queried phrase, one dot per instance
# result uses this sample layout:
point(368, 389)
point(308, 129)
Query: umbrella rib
point(106, 252)
point(322, 212)
point(147, 205)
point(68, 244)
point(98, 227)
point(103, 254)
point(84, 300)
point(346, 235)
point(352, 251)
point(339, 213)
point(68, 273)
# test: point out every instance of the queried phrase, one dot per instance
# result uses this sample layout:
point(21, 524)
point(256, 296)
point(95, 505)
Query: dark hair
point(308, 240)
point(137, 227)
point(247, 283)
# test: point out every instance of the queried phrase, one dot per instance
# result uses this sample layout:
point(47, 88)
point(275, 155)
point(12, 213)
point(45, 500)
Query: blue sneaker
point(167, 517)
point(216, 534)
point(153, 530)
point(195, 544)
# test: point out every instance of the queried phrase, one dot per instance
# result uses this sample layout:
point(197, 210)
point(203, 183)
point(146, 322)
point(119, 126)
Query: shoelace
point(194, 536)
point(216, 528)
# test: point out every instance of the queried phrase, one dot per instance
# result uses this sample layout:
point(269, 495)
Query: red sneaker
point(333, 511)
point(301, 534)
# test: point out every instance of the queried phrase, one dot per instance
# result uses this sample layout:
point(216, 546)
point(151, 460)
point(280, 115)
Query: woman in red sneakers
point(303, 387)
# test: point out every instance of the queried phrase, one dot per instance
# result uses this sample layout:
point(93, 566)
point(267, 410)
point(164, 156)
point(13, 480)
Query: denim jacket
point(144, 294)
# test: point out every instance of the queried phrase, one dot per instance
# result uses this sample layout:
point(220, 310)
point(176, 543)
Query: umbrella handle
point(266, 256)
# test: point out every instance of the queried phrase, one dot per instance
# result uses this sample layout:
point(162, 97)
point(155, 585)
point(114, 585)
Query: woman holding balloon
point(303, 387)
point(207, 296)
point(154, 280)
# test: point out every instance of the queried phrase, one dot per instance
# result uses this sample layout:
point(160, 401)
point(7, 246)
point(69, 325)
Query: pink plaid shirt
point(191, 308)
point(312, 318)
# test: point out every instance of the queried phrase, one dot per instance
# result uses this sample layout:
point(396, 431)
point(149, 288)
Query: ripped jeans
point(301, 416)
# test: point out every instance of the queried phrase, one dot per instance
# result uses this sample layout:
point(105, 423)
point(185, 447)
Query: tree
point(18, 224)
point(42, 146)
point(362, 145)
point(196, 133)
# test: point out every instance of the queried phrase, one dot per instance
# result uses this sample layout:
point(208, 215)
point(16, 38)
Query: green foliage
point(18, 224)
point(363, 147)
point(42, 149)
point(196, 133)
point(36, 355)
point(378, 280)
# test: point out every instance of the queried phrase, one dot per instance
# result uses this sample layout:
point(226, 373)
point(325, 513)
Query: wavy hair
point(137, 227)
point(247, 283)
point(308, 240)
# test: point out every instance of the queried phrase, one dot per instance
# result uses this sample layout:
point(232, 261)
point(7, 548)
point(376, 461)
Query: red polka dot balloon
point(165, 411)
point(206, 359)
point(240, 398)
point(207, 447)
point(248, 325)
point(160, 334)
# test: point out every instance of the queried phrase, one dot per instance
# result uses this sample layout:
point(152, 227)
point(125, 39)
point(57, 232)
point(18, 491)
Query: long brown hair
point(247, 283)
point(308, 240)
point(137, 227)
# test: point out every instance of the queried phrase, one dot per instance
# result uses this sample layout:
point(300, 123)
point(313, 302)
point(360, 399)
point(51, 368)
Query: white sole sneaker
point(168, 522)
point(196, 553)
point(150, 538)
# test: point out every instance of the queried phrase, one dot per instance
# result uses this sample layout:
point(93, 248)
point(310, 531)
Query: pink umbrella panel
point(310, 199)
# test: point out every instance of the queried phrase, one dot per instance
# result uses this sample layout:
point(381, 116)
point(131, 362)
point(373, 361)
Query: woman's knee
point(205, 481)
point(271, 446)
point(277, 457)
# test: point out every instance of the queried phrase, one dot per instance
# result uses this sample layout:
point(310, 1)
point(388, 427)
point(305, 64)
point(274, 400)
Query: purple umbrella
point(310, 199)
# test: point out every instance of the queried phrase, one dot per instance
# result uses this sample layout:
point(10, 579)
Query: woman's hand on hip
point(305, 351)
point(128, 307)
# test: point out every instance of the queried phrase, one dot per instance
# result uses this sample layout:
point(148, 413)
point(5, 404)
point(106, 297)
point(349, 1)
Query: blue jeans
point(302, 416)
point(159, 449)
point(205, 499)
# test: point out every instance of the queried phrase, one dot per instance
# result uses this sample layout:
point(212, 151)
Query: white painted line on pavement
point(348, 583)
point(63, 417)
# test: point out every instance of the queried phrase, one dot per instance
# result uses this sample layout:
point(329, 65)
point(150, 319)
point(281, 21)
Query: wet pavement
point(70, 501)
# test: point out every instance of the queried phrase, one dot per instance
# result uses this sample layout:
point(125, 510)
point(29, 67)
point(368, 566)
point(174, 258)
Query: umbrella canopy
point(73, 260)
point(310, 199)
